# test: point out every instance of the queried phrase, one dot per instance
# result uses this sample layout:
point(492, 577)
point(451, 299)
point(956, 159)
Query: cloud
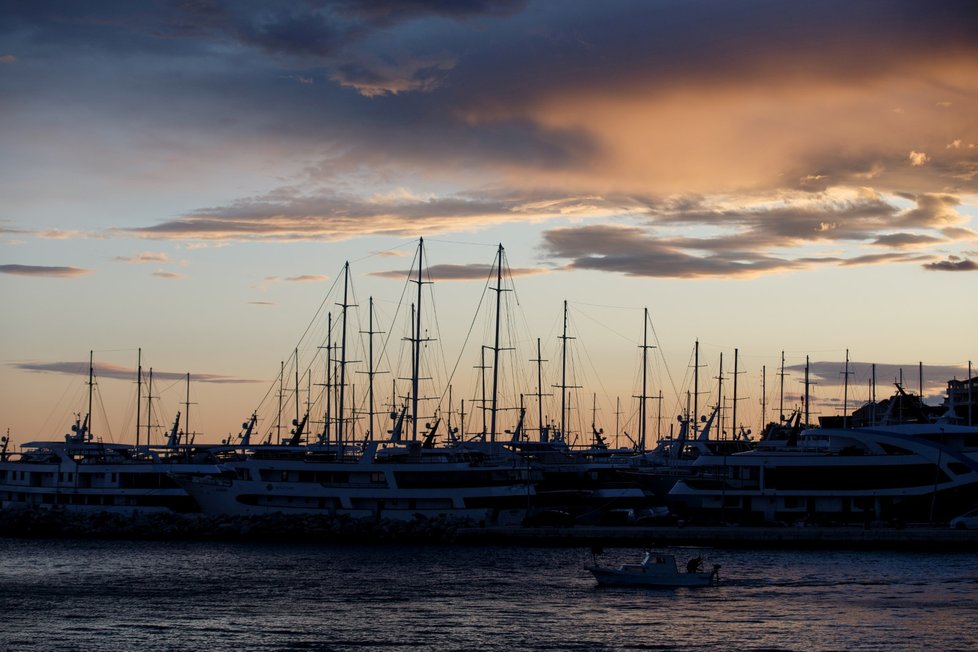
point(7, 58)
point(377, 78)
point(287, 215)
point(471, 272)
point(305, 278)
point(145, 257)
point(39, 270)
point(742, 240)
point(907, 240)
point(832, 373)
point(499, 112)
point(61, 234)
point(918, 158)
point(104, 370)
point(261, 303)
point(953, 264)
point(173, 276)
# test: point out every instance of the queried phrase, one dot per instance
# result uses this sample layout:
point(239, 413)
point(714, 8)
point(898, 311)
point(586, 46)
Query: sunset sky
point(189, 178)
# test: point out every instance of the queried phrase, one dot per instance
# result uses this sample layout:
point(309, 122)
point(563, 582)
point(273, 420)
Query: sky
point(184, 182)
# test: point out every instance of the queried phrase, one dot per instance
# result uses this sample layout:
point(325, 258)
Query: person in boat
point(694, 565)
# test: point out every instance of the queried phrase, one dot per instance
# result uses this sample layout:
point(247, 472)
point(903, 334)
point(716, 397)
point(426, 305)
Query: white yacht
point(80, 473)
point(392, 480)
point(907, 472)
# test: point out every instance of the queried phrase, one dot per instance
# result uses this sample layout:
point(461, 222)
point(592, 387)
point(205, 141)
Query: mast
point(149, 405)
point(91, 389)
point(733, 426)
point(451, 436)
point(781, 394)
point(643, 416)
point(328, 419)
point(341, 429)
point(482, 379)
point(281, 395)
point(186, 413)
point(371, 371)
point(845, 394)
point(807, 398)
point(594, 418)
point(920, 383)
point(416, 340)
point(495, 348)
point(139, 389)
point(417, 348)
point(763, 396)
point(539, 360)
point(370, 325)
point(563, 377)
point(873, 414)
point(696, 387)
point(658, 417)
point(971, 392)
point(617, 419)
point(720, 398)
point(297, 384)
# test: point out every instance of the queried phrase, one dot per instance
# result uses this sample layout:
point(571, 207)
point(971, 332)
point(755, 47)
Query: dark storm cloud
point(438, 88)
point(103, 370)
point(41, 270)
point(953, 264)
point(739, 240)
point(635, 252)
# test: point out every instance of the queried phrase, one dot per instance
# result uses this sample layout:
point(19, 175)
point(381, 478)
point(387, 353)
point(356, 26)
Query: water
point(112, 595)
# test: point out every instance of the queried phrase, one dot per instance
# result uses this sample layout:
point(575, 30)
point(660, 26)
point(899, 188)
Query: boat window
point(959, 468)
point(894, 450)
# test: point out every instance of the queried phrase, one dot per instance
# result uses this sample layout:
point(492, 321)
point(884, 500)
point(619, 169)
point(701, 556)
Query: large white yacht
point(80, 473)
point(392, 480)
point(916, 471)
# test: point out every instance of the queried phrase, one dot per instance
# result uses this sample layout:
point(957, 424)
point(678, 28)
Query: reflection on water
point(111, 595)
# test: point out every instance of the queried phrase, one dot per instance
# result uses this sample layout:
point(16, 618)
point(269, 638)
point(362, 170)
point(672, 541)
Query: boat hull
point(613, 577)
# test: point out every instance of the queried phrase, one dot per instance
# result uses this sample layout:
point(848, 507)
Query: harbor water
point(126, 595)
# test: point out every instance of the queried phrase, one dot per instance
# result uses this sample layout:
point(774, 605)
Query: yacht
point(81, 473)
point(916, 471)
point(393, 480)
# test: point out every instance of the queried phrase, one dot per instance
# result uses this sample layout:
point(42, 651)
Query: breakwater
point(271, 528)
point(281, 528)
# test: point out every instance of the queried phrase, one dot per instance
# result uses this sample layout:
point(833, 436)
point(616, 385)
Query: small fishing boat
point(656, 570)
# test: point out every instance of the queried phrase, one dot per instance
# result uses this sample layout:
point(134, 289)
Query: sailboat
point(400, 477)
